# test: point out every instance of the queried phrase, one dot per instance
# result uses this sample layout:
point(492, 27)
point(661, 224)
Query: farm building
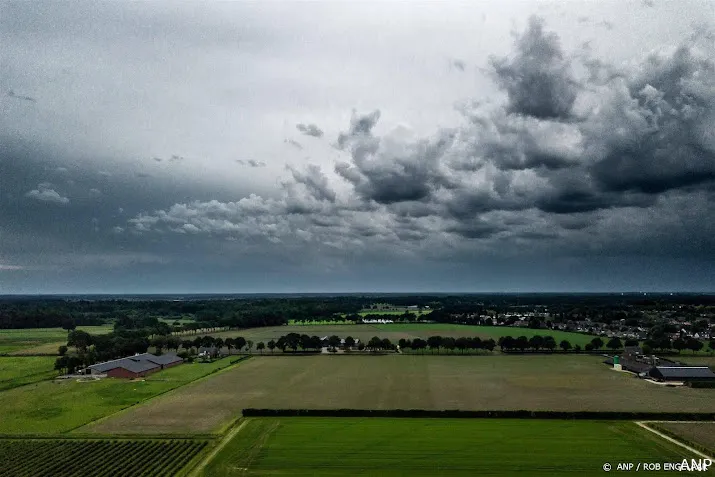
point(681, 373)
point(135, 366)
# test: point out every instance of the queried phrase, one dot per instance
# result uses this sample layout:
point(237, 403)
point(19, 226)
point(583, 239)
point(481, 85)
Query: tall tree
point(260, 346)
point(597, 343)
point(695, 345)
point(434, 342)
point(565, 345)
point(614, 343)
point(271, 345)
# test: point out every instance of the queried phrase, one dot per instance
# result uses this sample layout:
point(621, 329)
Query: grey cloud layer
point(576, 154)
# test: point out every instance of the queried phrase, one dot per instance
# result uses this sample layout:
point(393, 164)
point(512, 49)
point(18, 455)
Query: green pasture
point(410, 447)
point(58, 406)
point(17, 341)
point(16, 372)
point(495, 332)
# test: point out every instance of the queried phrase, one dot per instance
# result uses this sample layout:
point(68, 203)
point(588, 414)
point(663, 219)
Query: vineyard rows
point(87, 458)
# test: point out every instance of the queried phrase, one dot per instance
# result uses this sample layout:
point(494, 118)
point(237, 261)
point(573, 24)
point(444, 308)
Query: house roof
point(685, 372)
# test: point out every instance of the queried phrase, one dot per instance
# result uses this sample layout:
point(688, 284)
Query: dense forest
point(47, 312)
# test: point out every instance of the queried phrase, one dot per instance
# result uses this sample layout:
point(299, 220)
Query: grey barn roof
point(685, 372)
point(137, 363)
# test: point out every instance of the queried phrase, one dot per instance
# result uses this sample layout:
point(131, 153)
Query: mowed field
point(40, 340)
point(19, 371)
point(58, 406)
point(396, 331)
point(702, 433)
point(409, 447)
point(538, 382)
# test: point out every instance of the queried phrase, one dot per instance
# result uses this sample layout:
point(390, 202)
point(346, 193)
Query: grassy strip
point(499, 414)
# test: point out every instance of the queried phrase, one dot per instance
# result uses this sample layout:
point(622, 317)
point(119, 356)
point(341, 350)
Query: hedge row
point(239, 359)
point(680, 438)
point(702, 384)
point(592, 415)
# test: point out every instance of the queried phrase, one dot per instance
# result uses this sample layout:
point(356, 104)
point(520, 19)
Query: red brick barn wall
point(121, 373)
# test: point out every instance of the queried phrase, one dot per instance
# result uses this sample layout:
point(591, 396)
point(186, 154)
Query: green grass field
point(537, 382)
point(16, 372)
point(395, 331)
point(85, 458)
point(409, 447)
point(40, 340)
point(494, 332)
point(58, 406)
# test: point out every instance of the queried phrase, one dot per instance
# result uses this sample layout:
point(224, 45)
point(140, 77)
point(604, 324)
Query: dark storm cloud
point(293, 143)
point(315, 181)
point(310, 130)
point(510, 175)
point(12, 94)
point(458, 64)
point(584, 157)
point(537, 78)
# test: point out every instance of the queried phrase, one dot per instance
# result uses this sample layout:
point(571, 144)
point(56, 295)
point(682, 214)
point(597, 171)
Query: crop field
point(25, 340)
point(382, 446)
point(395, 331)
point(702, 433)
point(537, 382)
point(79, 457)
point(58, 406)
point(18, 371)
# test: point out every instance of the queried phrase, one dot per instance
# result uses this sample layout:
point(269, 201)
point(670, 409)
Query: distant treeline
point(499, 414)
point(23, 312)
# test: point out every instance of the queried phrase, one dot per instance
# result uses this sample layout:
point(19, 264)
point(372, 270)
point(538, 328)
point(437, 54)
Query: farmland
point(382, 446)
point(539, 382)
point(701, 433)
point(396, 331)
point(40, 340)
point(18, 371)
point(79, 457)
point(59, 406)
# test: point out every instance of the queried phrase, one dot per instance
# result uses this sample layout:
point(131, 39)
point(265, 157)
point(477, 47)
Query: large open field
point(18, 371)
point(395, 331)
point(61, 405)
point(539, 382)
point(40, 340)
point(376, 446)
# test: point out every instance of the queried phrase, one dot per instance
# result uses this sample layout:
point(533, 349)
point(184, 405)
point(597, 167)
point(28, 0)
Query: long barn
point(136, 366)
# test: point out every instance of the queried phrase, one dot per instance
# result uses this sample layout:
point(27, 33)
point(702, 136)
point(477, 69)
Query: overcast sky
point(357, 146)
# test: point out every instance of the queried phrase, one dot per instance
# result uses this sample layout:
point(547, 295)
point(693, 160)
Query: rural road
point(200, 467)
point(644, 425)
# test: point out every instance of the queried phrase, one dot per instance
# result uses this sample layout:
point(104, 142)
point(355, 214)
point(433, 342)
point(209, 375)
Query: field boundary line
point(227, 438)
point(140, 403)
point(644, 425)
